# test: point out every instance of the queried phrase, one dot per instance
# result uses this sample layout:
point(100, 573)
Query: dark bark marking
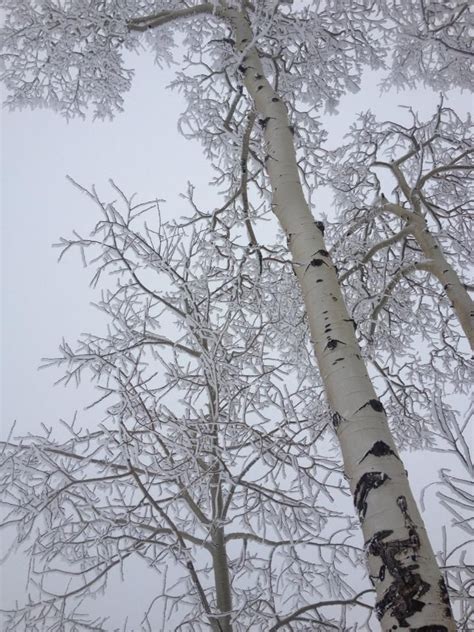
point(336, 420)
point(319, 280)
point(338, 360)
point(257, 76)
point(351, 320)
point(322, 252)
point(380, 448)
point(332, 344)
point(317, 262)
point(242, 69)
point(263, 122)
point(292, 129)
point(320, 226)
point(445, 598)
point(275, 99)
point(431, 628)
point(403, 595)
point(367, 482)
point(375, 404)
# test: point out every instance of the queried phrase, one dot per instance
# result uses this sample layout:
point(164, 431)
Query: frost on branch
point(432, 42)
point(207, 455)
point(67, 56)
point(403, 194)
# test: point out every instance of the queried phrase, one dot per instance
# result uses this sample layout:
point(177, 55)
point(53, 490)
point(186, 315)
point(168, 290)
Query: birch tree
point(424, 217)
point(202, 466)
point(403, 194)
point(254, 77)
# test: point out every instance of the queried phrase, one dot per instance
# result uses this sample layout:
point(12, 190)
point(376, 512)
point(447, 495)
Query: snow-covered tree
point(421, 225)
point(255, 75)
point(204, 464)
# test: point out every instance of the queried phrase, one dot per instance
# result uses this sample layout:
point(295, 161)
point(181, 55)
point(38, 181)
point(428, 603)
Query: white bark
point(438, 265)
point(410, 588)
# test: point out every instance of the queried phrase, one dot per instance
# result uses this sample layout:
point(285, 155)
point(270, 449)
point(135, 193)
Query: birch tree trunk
point(436, 262)
point(410, 588)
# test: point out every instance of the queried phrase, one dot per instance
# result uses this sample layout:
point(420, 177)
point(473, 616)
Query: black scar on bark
point(431, 628)
point(367, 482)
point(402, 597)
point(380, 448)
point(445, 597)
point(242, 69)
point(320, 226)
point(275, 99)
point(317, 262)
point(332, 344)
point(375, 404)
point(263, 122)
point(258, 76)
point(292, 129)
point(336, 420)
point(319, 280)
point(260, 88)
point(322, 252)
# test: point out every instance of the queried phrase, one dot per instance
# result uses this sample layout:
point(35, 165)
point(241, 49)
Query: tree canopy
point(216, 445)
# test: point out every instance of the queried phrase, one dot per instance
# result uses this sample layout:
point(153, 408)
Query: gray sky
point(42, 301)
point(142, 151)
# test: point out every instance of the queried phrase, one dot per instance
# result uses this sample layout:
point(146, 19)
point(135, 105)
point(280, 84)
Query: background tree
point(404, 261)
point(204, 465)
point(343, 52)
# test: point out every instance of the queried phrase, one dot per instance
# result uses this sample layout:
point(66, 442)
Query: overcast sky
point(42, 301)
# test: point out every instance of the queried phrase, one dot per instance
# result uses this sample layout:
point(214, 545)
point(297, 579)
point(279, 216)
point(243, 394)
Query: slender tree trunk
point(461, 301)
point(220, 562)
point(437, 264)
point(220, 565)
point(410, 589)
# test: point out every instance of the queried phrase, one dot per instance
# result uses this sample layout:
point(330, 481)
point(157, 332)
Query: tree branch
point(334, 602)
point(153, 21)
